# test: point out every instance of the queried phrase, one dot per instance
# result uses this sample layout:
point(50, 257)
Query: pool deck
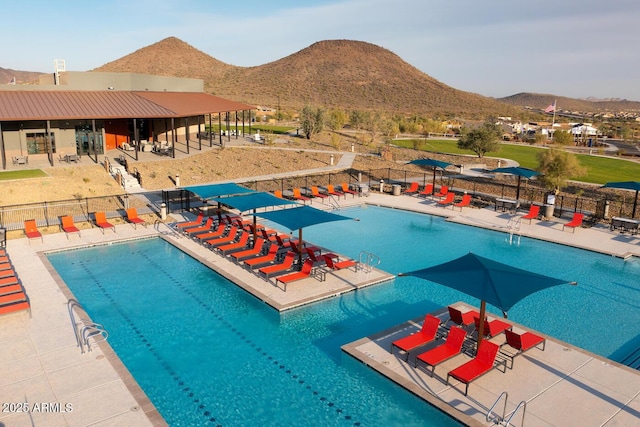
point(40, 362)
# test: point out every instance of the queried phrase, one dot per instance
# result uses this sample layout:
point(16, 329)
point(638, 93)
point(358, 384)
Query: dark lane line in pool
point(249, 342)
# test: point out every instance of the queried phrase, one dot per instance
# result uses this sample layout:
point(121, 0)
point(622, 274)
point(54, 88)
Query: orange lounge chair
point(491, 328)
point(575, 222)
point(534, 213)
point(448, 200)
point(444, 190)
point(264, 259)
point(298, 275)
point(203, 228)
point(316, 193)
point(194, 223)
point(4, 259)
point(428, 190)
point(6, 266)
point(333, 192)
point(413, 189)
point(281, 268)
point(101, 221)
point(14, 302)
point(230, 237)
point(269, 235)
point(219, 231)
point(427, 333)
point(133, 218)
point(10, 280)
point(460, 318)
point(347, 190)
point(10, 289)
point(7, 273)
point(521, 343)
point(476, 367)
point(340, 264)
point(451, 347)
point(318, 259)
point(251, 252)
point(68, 225)
point(466, 201)
point(297, 195)
point(31, 230)
point(240, 245)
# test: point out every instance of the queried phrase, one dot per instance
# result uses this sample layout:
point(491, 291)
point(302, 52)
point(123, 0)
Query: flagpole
point(553, 121)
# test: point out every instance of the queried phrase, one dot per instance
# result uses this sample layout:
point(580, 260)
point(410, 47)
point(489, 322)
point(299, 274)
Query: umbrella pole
point(483, 307)
point(433, 187)
point(300, 245)
point(518, 189)
point(635, 204)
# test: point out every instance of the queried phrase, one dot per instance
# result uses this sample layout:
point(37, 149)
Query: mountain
point(334, 73)
point(22, 77)
point(542, 101)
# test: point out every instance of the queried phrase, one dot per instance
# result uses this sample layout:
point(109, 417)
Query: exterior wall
point(75, 80)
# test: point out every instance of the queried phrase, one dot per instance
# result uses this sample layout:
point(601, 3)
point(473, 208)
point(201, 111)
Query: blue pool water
point(207, 353)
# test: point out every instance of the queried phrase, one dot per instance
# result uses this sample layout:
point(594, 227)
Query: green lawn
point(257, 126)
point(22, 174)
point(600, 170)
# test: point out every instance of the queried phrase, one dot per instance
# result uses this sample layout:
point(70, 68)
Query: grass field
point(600, 170)
point(22, 174)
point(257, 126)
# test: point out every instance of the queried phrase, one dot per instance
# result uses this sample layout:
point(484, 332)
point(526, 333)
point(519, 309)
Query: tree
point(311, 120)
point(480, 140)
point(562, 137)
point(336, 119)
point(557, 167)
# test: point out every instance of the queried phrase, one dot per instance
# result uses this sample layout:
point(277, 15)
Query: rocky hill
point(22, 77)
point(541, 101)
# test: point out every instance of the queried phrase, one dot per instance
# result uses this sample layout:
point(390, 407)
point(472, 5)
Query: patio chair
point(347, 190)
point(256, 250)
point(9, 280)
point(491, 328)
point(101, 221)
point(317, 259)
point(444, 190)
point(534, 213)
point(68, 226)
point(307, 267)
point(339, 265)
point(219, 231)
point(315, 192)
point(575, 222)
point(451, 347)
point(427, 191)
point(283, 267)
point(521, 343)
point(187, 224)
point(262, 260)
point(427, 333)
point(223, 240)
point(466, 201)
point(297, 195)
point(413, 189)
point(198, 229)
point(333, 192)
point(476, 367)
point(448, 200)
point(240, 245)
point(133, 218)
point(14, 302)
point(461, 319)
point(31, 230)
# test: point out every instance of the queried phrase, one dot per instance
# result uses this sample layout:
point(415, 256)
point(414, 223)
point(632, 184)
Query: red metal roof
point(65, 105)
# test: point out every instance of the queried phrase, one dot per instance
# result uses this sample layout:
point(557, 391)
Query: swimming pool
point(207, 353)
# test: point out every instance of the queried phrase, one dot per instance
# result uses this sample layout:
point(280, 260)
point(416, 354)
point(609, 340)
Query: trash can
point(364, 189)
point(397, 189)
point(548, 210)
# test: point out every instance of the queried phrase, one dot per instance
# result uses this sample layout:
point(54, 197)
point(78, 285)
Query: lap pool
point(207, 353)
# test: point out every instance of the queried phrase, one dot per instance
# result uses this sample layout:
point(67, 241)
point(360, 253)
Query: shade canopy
point(432, 163)
point(519, 172)
point(297, 218)
point(216, 190)
point(627, 185)
point(254, 200)
point(492, 282)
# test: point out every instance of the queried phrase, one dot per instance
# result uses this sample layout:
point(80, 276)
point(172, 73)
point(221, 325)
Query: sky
point(496, 48)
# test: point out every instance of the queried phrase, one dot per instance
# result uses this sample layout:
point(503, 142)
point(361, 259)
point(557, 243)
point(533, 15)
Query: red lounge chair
point(466, 201)
point(451, 347)
point(31, 230)
point(491, 328)
point(575, 222)
point(133, 218)
point(213, 234)
point(269, 235)
point(347, 190)
point(413, 189)
point(6, 266)
point(476, 367)
point(283, 243)
point(534, 213)
point(444, 190)
point(251, 252)
point(297, 195)
point(425, 335)
point(333, 192)
point(318, 259)
point(10, 289)
point(194, 223)
point(316, 193)
point(11, 280)
point(13, 302)
point(298, 275)
point(448, 200)
point(460, 318)
point(240, 245)
point(264, 259)
point(101, 221)
point(521, 343)
point(203, 228)
point(281, 268)
point(7, 273)
point(428, 190)
point(340, 264)
point(68, 226)
point(230, 237)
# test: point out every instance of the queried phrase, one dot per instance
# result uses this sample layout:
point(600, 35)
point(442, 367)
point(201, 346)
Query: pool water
point(208, 353)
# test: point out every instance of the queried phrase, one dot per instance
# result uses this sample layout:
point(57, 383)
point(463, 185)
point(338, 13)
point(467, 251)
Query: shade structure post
point(433, 187)
point(518, 188)
point(483, 309)
point(300, 245)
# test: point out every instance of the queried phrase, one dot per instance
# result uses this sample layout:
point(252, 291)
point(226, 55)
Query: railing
point(513, 225)
point(494, 418)
point(87, 331)
point(367, 261)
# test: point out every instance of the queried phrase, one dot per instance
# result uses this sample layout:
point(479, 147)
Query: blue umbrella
point(434, 164)
point(215, 190)
point(519, 172)
point(501, 285)
point(626, 185)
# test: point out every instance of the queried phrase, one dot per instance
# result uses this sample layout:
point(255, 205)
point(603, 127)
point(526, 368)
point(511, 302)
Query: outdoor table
point(625, 224)
point(507, 205)
point(20, 160)
point(71, 158)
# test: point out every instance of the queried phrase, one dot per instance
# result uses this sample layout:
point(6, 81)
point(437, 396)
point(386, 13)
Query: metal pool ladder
point(84, 329)
point(513, 225)
point(500, 420)
point(367, 260)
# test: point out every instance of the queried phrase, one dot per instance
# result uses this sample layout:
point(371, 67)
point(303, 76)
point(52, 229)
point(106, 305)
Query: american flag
point(551, 108)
